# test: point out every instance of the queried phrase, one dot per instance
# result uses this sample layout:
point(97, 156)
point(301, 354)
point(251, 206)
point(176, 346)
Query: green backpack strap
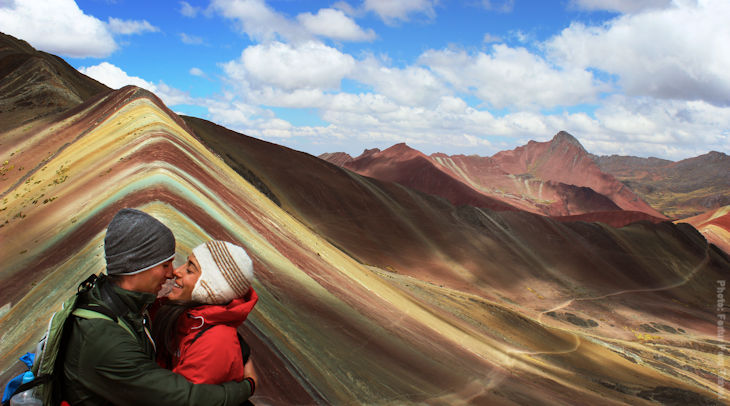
point(98, 312)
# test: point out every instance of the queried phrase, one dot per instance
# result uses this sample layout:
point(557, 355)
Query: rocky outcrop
point(337, 158)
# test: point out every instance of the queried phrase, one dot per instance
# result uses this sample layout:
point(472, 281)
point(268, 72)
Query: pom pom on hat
point(226, 272)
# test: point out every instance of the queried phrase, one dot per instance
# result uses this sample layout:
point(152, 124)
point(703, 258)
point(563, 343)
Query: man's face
point(151, 280)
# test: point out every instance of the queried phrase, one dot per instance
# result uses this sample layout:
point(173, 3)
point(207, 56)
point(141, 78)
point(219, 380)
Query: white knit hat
point(226, 272)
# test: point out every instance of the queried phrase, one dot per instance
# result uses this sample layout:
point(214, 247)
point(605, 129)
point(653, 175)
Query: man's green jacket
point(106, 365)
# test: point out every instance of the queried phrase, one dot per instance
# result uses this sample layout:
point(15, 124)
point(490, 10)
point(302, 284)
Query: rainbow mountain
point(370, 292)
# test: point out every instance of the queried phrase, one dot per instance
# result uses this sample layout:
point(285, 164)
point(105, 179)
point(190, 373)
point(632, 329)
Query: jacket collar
point(135, 302)
point(232, 314)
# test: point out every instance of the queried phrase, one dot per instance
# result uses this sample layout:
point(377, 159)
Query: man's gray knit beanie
point(136, 242)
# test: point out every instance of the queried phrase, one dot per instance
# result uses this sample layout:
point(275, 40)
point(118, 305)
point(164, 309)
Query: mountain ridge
point(37, 84)
point(682, 189)
point(533, 177)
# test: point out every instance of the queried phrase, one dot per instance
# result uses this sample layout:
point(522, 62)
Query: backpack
point(47, 368)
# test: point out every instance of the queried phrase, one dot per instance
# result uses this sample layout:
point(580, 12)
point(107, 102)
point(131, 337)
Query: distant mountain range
point(678, 189)
point(557, 178)
point(533, 277)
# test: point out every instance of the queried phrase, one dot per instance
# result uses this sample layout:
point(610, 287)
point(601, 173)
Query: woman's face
point(185, 278)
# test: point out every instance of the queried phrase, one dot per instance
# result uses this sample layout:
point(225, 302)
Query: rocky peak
point(401, 151)
point(564, 137)
point(715, 156)
point(368, 152)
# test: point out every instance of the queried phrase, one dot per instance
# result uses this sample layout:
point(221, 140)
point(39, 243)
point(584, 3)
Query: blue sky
point(628, 77)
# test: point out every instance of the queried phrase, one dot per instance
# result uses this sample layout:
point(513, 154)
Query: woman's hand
point(250, 372)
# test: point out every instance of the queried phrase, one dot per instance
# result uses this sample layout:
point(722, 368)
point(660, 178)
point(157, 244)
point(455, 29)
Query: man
point(106, 363)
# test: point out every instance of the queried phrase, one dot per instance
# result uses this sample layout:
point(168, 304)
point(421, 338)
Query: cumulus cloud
point(189, 11)
point(114, 77)
point(129, 27)
point(491, 38)
point(411, 86)
point(197, 72)
point(311, 65)
point(57, 26)
point(670, 128)
point(627, 126)
point(503, 6)
point(190, 39)
point(393, 11)
point(234, 114)
point(331, 23)
point(621, 6)
point(674, 53)
point(262, 23)
point(513, 77)
point(258, 20)
point(624, 125)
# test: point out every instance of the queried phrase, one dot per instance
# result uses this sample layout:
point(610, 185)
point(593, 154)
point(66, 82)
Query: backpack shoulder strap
point(200, 333)
point(245, 349)
point(100, 312)
point(111, 299)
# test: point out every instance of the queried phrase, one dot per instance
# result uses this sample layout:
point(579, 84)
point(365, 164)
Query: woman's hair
point(164, 327)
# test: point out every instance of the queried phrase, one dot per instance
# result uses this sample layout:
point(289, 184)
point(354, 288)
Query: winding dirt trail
point(684, 280)
point(567, 303)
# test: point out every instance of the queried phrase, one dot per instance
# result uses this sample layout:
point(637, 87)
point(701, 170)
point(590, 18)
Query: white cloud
point(128, 27)
point(187, 10)
point(673, 130)
point(262, 23)
point(346, 8)
point(58, 27)
point(392, 11)
point(503, 6)
point(259, 21)
point(114, 77)
point(310, 65)
point(190, 39)
point(512, 77)
point(491, 38)
point(674, 53)
point(299, 98)
point(678, 128)
point(331, 23)
point(629, 126)
point(410, 86)
point(197, 72)
point(520, 36)
point(621, 6)
point(234, 114)
point(172, 96)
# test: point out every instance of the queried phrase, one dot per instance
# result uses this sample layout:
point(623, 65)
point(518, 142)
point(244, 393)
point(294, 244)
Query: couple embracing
point(189, 351)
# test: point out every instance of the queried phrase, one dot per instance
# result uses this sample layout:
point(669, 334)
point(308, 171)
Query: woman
point(195, 326)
